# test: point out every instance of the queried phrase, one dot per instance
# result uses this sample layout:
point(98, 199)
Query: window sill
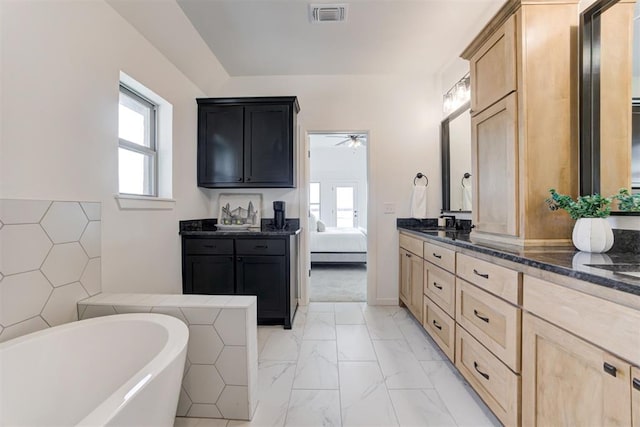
point(141, 203)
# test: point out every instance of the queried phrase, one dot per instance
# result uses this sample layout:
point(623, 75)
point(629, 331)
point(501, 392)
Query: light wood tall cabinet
point(524, 121)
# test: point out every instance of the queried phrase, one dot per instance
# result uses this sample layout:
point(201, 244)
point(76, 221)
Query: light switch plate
point(389, 208)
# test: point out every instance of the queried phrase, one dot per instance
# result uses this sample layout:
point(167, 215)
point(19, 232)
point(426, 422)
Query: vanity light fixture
point(457, 96)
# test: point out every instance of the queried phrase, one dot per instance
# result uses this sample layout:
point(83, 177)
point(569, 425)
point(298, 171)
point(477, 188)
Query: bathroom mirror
point(455, 143)
point(610, 97)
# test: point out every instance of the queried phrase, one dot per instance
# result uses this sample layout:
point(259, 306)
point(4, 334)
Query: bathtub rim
point(176, 343)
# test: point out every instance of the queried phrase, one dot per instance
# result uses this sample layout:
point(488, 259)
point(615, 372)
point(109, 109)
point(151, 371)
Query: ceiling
point(266, 37)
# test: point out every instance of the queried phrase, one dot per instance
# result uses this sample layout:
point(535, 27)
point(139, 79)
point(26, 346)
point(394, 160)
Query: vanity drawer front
point(493, 322)
point(498, 280)
point(494, 382)
point(444, 258)
point(411, 244)
point(440, 287)
point(440, 326)
point(208, 246)
point(493, 68)
point(260, 247)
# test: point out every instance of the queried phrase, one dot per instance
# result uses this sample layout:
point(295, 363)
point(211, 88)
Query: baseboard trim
point(385, 301)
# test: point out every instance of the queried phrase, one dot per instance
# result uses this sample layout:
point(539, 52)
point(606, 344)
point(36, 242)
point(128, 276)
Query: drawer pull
point(436, 325)
point(486, 276)
point(483, 318)
point(475, 366)
point(610, 369)
point(210, 246)
point(437, 256)
point(636, 384)
point(261, 247)
point(437, 286)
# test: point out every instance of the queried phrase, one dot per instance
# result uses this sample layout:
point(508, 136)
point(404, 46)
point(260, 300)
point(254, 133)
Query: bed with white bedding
point(336, 245)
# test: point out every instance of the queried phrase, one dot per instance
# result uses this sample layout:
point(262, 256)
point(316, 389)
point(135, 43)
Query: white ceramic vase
point(592, 235)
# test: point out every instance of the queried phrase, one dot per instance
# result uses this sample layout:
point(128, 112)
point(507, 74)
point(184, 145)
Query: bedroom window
point(314, 199)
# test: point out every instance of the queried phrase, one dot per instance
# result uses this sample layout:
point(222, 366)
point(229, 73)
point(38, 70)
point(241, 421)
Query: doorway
point(338, 216)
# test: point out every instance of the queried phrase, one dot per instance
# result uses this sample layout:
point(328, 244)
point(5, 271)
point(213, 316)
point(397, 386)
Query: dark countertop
point(207, 227)
point(235, 233)
point(565, 260)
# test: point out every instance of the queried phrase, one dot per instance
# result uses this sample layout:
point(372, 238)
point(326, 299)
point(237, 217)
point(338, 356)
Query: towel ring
point(466, 175)
point(420, 175)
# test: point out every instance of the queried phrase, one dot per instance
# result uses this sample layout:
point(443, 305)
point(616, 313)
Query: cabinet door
point(494, 143)
point(265, 277)
point(208, 274)
point(567, 381)
point(635, 396)
point(416, 286)
point(220, 145)
point(268, 151)
point(405, 276)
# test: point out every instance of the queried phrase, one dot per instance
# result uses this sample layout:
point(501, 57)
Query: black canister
point(278, 214)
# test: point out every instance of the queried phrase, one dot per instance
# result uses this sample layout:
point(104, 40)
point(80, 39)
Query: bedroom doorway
point(338, 216)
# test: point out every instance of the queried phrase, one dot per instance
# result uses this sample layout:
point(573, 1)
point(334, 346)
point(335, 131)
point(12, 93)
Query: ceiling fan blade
point(344, 142)
point(335, 136)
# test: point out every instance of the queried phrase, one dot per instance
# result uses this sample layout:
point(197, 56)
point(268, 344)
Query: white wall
point(401, 114)
point(332, 166)
point(59, 101)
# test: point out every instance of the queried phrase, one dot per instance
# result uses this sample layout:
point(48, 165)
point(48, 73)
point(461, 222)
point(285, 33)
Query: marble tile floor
point(349, 364)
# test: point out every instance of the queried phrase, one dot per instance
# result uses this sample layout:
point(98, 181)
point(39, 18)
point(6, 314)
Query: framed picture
point(239, 210)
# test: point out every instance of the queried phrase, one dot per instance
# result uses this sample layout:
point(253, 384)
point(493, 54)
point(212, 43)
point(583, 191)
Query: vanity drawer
point(440, 287)
point(440, 326)
point(444, 258)
point(493, 322)
point(260, 247)
point(208, 246)
point(498, 280)
point(411, 244)
point(494, 382)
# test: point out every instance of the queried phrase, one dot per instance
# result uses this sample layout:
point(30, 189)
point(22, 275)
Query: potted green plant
point(627, 202)
point(592, 232)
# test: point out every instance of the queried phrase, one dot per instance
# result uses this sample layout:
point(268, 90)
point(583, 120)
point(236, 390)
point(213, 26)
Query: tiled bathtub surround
point(220, 377)
point(49, 260)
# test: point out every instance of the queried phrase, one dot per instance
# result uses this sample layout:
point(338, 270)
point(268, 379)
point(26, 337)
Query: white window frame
point(164, 153)
point(151, 174)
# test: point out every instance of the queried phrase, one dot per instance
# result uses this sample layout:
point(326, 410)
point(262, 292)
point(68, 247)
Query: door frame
point(305, 169)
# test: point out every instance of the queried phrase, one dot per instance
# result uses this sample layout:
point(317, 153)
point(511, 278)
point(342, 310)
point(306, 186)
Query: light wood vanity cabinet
point(577, 360)
point(524, 106)
point(411, 274)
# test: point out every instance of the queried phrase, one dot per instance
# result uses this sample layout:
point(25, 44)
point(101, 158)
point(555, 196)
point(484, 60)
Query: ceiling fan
point(352, 141)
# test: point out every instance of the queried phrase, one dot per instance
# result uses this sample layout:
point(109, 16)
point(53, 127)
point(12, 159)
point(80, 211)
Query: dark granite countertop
point(566, 261)
point(207, 227)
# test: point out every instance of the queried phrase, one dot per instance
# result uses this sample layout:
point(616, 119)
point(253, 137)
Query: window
point(314, 199)
point(345, 211)
point(137, 148)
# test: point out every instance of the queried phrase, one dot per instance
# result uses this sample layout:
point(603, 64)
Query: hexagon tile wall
point(49, 260)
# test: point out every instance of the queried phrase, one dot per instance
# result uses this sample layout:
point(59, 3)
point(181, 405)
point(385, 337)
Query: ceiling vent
point(328, 12)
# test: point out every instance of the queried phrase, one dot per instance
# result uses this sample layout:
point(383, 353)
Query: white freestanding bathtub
point(122, 370)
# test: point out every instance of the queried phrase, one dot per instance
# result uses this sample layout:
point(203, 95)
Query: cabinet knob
point(239, 180)
point(248, 179)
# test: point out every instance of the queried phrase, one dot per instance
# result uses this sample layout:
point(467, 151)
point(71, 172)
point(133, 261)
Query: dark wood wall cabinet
point(247, 142)
point(245, 265)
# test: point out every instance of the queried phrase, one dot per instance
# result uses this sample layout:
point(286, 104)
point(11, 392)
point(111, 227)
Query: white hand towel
point(466, 198)
point(419, 202)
